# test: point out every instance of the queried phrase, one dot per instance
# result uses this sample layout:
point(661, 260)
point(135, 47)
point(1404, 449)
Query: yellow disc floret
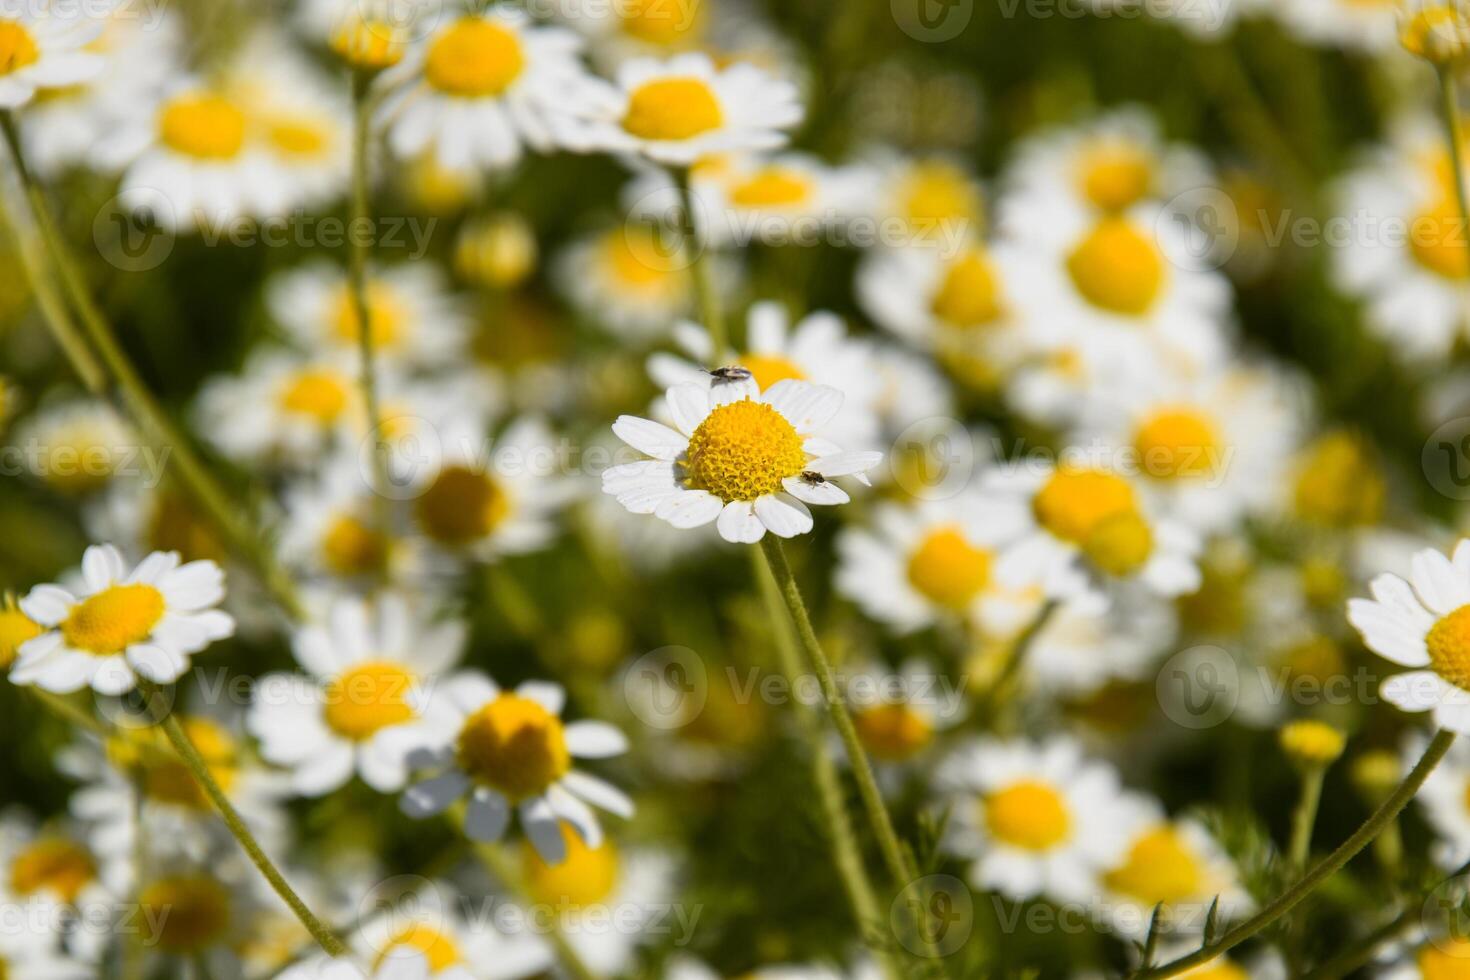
point(513, 745)
point(767, 369)
point(15, 628)
point(1449, 647)
point(1097, 511)
point(461, 506)
point(17, 47)
point(367, 699)
point(587, 876)
point(948, 569)
point(673, 109)
point(1160, 867)
point(386, 313)
point(1115, 177)
point(969, 294)
point(368, 44)
point(742, 451)
point(892, 732)
point(1117, 269)
point(1446, 958)
point(207, 127)
point(439, 949)
point(663, 22)
point(1175, 443)
point(166, 779)
point(320, 395)
point(351, 546)
point(773, 187)
point(474, 58)
point(52, 864)
point(935, 193)
point(1436, 240)
point(1313, 743)
point(113, 620)
point(1029, 815)
point(184, 913)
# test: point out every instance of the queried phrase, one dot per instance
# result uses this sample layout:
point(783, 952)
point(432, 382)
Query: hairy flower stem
point(138, 402)
point(1325, 869)
point(700, 272)
point(1449, 104)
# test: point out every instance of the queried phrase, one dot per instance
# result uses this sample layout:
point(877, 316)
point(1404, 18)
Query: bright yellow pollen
point(935, 192)
point(639, 260)
point(892, 732)
point(742, 451)
point(1075, 500)
point(353, 547)
point(1338, 484)
point(15, 628)
point(767, 369)
point(298, 137)
point(113, 619)
point(970, 293)
point(1312, 742)
point(665, 22)
point(513, 745)
point(1160, 867)
point(386, 313)
point(1115, 177)
point(773, 187)
point(1177, 443)
point(184, 914)
point(1117, 269)
point(17, 48)
point(1448, 958)
point(474, 58)
point(948, 569)
point(208, 127)
point(461, 506)
point(672, 109)
point(168, 780)
point(1029, 815)
point(587, 876)
point(368, 698)
point(439, 949)
point(318, 394)
point(1449, 647)
point(1437, 240)
point(55, 865)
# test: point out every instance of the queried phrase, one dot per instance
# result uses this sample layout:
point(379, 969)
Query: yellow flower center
point(76, 461)
point(514, 745)
point(113, 620)
point(184, 914)
point(386, 313)
point(15, 628)
point(368, 698)
point(56, 865)
point(174, 524)
point(1029, 815)
point(892, 732)
point(588, 875)
point(948, 569)
point(1449, 647)
point(1221, 969)
point(1312, 742)
point(672, 109)
point(743, 451)
point(168, 780)
point(1117, 269)
point(1436, 34)
point(461, 506)
point(767, 369)
point(318, 394)
point(935, 192)
point(439, 949)
point(367, 43)
point(353, 547)
point(1177, 442)
point(1447, 958)
point(474, 58)
point(1338, 484)
point(773, 187)
point(637, 258)
point(1115, 177)
point(970, 294)
point(207, 127)
point(17, 48)
point(1437, 240)
point(298, 137)
point(665, 22)
point(1160, 867)
point(1098, 511)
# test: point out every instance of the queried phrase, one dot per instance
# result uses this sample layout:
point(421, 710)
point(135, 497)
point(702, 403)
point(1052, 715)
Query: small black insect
point(812, 478)
point(730, 374)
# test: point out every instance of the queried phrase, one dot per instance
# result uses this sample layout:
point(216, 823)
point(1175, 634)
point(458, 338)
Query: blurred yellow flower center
point(77, 461)
point(113, 619)
point(1115, 177)
point(1120, 544)
point(462, 506)
point(318, 394)
point(1219, 970)
point(1447, 958)
point(168, 780)
point(1449, 647)
point(298, 137)
point(1436, 34)
point(673, 109)
point(1337, 483)
point(948, 569)
point(1098, 511)
point(1312, 741)
point(1437, 240)
point(773, 187)
point(513, 745)
point(474, 58)
point(1160, 867)
point(15, 628)
point(1029, 815)
point(386, 313)
point(661, 21)
point(56, 865)
point(970, 293)
point(588, 875)
point(743, 451)
point(934, 193)
point(1177, 442)
point(208, 127)
point(767, 369)
point(640, 260)
point(367, 43)
point(892, 732)
point(184, 914)
point(1117, 269)
point(17, 48)
point(439, 949)
point(368, 698)
point(352, 547)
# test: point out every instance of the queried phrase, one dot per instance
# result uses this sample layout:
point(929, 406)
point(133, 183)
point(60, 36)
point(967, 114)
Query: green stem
point(1449, 104)
point(324, 937)
point(700, 271)
point(1324, 870)
point(1304, 817)
point(1019, 648)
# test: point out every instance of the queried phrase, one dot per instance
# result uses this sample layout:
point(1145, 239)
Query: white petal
point(433, 796)
point(48, 605)
point(738, 523)
point(845, 464)
point(806, 406)
point(102, 566)
point(690, 508)
point(595, 740)
point(599, 793)
point(576, 813)
point(329, 768)
point(783, 515)
point(113, 677)
point(1416, 690)
point(539, 821)
point(688, 406)
point(550, 696)
point(486, 816)
point(154, 567)
point(653, 438)
point(159, 664)
point(825, 493)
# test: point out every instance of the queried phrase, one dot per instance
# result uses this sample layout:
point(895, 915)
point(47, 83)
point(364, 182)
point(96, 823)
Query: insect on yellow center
point(513, 745)
point(474, 58)
point(113, 620)
point(1117, 269)
point(948, 569)
point(15, 628)
point(587, 876)
point(54, 865)
point(767, 369)
point(673, 109)
point(207, 127)
point(368, 698)
point(970, 293)
point(1449, 647)
point(352, 547)
point(1177, 443)
point(1115, 177)
point(17, 48)
point(1159, 867)
point(462, 506)
point(386, 313)
point(665, 22)
point(773, 187)
point(184, 914)
point(892, 732)
point(743, 451)
point(1029, 815)
point(320, 395)
point(439, 949)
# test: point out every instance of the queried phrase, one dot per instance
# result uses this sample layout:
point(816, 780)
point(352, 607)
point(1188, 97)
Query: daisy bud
point(1312, 744)
point(1439, 34)
point(498, 252)
point(1375, 774)
point(367, 44)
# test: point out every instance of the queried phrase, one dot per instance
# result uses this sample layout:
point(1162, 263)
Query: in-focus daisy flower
point(629, 279)
point(76, 447)
point(123, 624)
point(1090, 641)
point(282, 408)
point(43, 47)
point(1036, 819)
point(1423, 624)
point(686, 108)
point(481, 87)
point(372, 670)
point(414, 320)
point(509, 750)
point(746, 459)
point(932, 562)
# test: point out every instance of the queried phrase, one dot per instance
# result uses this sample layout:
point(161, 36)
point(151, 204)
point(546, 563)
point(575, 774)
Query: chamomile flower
point(372, 669)
point(51, 872)
point(748, 460)
point(43, 47)
point(640, 28)
point(197, 912)
point(16, 628)
point(937, 201)
point(31, 954)
point(627, 279)
point(509, 750)
point(1423, 624)
point(283, 408)
point(781, 199)
point(1035, 819)
point(124, 623)
point(900, 715)
point(1090, 641)
point(76, 446)
point(482, 87)
point(331, 528)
